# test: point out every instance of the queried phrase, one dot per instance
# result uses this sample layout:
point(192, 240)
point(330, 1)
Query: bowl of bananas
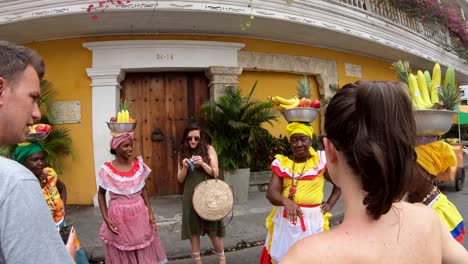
point(433, 122)
point(121, 126)
point(300, 114)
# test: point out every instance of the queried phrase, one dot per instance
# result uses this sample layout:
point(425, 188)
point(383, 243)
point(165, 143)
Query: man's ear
point(330, 150)
point(2, 89)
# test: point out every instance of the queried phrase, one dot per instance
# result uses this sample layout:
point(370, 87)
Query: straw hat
point(212, 199)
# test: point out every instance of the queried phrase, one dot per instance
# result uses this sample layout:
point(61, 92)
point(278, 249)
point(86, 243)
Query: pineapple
point(123, 115)
point(448, 98)
point(303, 88)
point(402, 69)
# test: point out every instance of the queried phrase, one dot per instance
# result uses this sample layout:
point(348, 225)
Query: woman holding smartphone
point(198, 160)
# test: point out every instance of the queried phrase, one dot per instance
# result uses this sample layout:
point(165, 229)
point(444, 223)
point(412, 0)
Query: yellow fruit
point(436, 80)
point(418, 103)
point(294, 105)
point(284, 101)
point(423, 89)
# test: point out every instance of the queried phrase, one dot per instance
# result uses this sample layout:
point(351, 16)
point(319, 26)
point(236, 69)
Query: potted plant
point(234, 123)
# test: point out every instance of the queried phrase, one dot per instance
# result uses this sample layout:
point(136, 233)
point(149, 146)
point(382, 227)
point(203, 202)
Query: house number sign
point(164, 56)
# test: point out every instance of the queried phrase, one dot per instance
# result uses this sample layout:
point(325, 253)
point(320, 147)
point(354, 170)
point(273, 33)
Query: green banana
point(436, 79)
point(423, 89)
point(428, 82)
point(449, 77)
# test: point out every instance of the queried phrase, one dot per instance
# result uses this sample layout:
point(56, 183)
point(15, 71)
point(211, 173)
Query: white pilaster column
point(105, 83)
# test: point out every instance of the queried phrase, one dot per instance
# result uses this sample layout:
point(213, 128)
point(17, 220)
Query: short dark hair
point(113, 152)
point(15, 58)
point(372, 124)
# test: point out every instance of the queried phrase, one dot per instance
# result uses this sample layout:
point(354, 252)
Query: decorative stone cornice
point(106, 76)
point(325, 71)
point(350, 29)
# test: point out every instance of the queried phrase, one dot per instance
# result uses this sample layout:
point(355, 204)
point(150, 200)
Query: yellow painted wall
point(66, 62)
point(281, 84)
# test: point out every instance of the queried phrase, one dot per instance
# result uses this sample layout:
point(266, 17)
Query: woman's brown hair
point(185, 151)
point(372, 124)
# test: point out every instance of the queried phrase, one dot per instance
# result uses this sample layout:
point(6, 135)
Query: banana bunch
point(281, 103)
point(123, 116)
point(428, 93)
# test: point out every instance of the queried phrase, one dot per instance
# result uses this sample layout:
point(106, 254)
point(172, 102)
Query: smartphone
point(65, 233)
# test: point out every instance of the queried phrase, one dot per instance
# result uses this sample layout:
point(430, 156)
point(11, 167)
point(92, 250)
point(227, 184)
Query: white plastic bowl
point(433, 122)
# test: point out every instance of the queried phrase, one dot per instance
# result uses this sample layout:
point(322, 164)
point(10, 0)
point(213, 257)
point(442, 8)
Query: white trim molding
point(112, 59)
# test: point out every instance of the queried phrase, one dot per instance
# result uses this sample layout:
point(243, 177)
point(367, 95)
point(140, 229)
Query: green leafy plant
point(234, 124)
point(334, 88)
point(58, 143)
point(268, 146)
point(436, 12)
point(402, 69)
point(449, 97)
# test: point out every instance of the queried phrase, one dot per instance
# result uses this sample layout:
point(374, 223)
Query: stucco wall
point(66, 61)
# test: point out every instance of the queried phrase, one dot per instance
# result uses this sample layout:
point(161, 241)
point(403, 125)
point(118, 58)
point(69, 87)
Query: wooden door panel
point(166, 101)
point(201, 93)
point(159, 121)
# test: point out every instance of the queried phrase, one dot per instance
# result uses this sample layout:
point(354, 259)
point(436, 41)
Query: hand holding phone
point(65, 233)
point(70, 243)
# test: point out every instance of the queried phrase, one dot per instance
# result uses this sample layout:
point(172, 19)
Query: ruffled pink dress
point(137, 242)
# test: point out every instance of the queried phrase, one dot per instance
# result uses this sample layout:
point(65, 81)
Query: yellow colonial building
point(167, 57)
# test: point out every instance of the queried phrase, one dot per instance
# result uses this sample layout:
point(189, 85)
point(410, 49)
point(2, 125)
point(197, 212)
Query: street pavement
point(246, 229)
point(244, 235)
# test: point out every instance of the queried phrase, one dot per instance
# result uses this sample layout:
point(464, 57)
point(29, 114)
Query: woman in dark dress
point(198, 160)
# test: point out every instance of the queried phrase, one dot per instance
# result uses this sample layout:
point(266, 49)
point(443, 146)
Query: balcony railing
point(434, 32)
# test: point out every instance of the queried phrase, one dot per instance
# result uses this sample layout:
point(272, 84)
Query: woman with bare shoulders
point(197, 161)
point(369, 148)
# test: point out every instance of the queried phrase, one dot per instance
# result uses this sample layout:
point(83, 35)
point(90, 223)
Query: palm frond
point(57, 146)
point(234, 123)
point(45, 102)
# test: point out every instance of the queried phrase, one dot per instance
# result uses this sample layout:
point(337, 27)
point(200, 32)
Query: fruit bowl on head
point(121, 126)
point(37, 136)
point(300, 114)
point(432, 122)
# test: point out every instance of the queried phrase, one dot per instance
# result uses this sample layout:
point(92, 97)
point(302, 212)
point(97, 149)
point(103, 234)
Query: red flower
point(101, 3)
point(128, 1)
point(94, 16)
point(119, 2)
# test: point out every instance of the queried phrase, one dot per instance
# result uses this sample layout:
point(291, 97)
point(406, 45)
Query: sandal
point(196, 257)
point(222, 258)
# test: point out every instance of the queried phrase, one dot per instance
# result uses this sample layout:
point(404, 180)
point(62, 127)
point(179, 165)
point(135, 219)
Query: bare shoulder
point(211, 149)
point(412, 215)
point(301, 252)
point(417, 209)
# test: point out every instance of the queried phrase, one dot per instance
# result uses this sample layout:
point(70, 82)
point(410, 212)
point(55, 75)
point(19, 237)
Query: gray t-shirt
point(27, 230)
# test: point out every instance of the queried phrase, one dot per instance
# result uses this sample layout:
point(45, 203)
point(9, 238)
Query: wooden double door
point(163, 105)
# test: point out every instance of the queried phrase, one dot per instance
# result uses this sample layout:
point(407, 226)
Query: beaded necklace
point(429, 195)
point(295, 180)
